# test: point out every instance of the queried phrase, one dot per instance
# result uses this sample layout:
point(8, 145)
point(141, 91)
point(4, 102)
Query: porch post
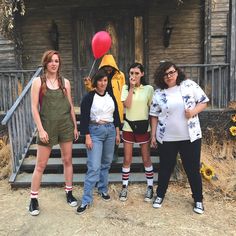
point(207, 32)
point(232, 85)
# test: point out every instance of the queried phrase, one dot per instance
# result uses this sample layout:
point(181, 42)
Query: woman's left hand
point(153, 143)
point(76, 134)
point(189, 113)
point(117, 139)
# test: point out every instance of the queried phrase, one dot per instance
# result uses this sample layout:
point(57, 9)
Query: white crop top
point(102, 108)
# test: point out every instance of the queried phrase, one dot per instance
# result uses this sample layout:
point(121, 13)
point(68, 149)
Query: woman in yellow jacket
point(116, 80)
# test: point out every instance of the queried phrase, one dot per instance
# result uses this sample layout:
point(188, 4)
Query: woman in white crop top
point(99, 124)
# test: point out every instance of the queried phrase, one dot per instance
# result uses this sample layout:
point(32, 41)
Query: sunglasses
point(169, 74)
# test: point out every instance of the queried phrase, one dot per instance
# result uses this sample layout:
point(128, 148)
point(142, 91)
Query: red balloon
point(101, 43)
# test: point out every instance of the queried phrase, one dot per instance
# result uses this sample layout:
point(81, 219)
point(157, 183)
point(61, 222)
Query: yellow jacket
point(117, 82)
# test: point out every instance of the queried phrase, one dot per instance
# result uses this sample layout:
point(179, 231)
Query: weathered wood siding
point(186, 42)
point(219, 31)
point(36, 26)
point(7, 54)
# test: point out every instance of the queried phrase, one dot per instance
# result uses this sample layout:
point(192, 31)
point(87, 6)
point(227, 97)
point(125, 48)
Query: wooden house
point(202, 32)
point(198, 35)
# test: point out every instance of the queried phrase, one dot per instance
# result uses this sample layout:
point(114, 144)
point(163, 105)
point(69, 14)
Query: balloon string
point(92, 67)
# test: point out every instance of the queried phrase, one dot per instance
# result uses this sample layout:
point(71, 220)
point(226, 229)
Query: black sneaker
point(71, 200)
point(198, 208)
point(158, 202)
point(123, 193)
point(81, 209)
point(105, 196)
point(34, 207)
point(149, 194)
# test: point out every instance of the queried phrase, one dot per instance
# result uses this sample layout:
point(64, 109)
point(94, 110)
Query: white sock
point(125, 176)
point(149, 175)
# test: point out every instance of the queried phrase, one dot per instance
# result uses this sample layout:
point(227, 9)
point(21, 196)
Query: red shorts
point(130, 137)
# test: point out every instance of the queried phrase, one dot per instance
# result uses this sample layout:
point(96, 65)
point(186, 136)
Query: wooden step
point(24, 179)
point(53, 174)
point(80, 165)
point(79, 150)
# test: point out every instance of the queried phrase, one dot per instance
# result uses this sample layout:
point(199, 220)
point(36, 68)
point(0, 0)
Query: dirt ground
point(133, 217)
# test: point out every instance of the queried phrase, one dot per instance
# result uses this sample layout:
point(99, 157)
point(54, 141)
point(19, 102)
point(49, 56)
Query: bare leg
point(128, 154)
point(66, 154)
point(43, 154)
point(145, 150)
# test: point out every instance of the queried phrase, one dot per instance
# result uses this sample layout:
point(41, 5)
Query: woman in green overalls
point(54, 116)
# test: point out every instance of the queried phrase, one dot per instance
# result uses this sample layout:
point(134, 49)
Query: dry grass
point(5, 156)
point(222, 159)
point(232, 105)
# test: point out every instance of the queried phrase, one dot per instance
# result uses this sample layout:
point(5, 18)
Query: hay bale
point(5, 158)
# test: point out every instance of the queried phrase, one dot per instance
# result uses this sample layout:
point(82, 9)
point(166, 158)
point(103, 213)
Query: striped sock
point(68, 188)
point(34, 194)
point(149, 175)
point(125, 176)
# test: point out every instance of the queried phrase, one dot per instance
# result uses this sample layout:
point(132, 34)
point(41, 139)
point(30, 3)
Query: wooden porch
point(203, 34)
point(213, 78)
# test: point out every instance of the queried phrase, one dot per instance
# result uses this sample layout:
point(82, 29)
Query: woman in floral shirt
point(176, 129)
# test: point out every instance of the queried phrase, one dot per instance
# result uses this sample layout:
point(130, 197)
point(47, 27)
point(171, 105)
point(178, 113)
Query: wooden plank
point(83, 161)
point(233, 52)
point(24, 180)
point(80, 151)
point(76, 146)
point(7, 54)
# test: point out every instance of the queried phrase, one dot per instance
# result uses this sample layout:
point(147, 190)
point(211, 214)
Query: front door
point(126, 29)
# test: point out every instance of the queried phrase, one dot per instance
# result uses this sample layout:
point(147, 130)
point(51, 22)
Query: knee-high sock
point(149, 175)
point(125, 176)
point(34, 194)
point(68, 188)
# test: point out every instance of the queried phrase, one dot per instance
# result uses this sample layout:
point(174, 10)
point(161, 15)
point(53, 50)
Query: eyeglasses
point(134, 73)
point(169, 74)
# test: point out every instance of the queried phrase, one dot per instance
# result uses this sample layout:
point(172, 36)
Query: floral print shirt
point(192, 94)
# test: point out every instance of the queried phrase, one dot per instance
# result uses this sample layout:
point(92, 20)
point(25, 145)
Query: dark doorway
point(126, 27)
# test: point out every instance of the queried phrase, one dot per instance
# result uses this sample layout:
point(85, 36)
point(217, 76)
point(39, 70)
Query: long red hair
point(47, 57)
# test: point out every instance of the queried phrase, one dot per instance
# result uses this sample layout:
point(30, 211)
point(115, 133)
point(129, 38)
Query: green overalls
point(55, 114)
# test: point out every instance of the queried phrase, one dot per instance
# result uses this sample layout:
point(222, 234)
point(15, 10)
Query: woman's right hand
point(132, 82)
point(43, 136)
point(153, 143)
point(87, 80)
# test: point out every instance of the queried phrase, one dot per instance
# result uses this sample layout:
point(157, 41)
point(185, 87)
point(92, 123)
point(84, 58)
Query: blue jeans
point(99, 159)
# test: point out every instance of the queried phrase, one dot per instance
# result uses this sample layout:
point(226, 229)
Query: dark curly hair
point(160, 73)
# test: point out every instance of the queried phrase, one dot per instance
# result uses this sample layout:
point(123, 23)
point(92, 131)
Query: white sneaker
point(198, 207)
point(123, 194)
point(157, 203)
point(34, 207)
point(149, 194)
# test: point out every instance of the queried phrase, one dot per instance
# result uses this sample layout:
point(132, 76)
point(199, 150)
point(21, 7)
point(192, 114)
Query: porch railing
point(214, 80)
point(21, 127)
point(12, 84)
